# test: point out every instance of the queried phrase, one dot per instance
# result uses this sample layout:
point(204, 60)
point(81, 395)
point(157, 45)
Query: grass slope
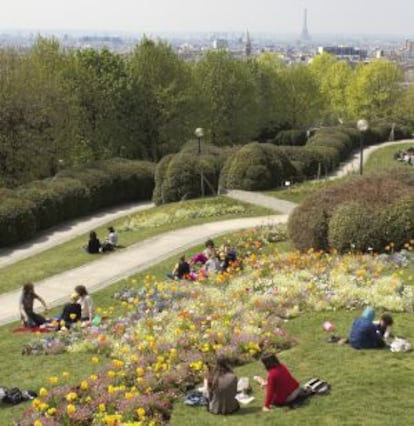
point(383, 159)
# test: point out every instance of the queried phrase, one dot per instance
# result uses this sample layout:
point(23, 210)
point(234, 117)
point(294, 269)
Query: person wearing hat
point(364, 332)
point(72, 311)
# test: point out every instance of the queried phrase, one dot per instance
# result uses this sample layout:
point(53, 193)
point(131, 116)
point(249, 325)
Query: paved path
point(65, 232)
point(121, 264)
point(272, 203)
point(352, 165)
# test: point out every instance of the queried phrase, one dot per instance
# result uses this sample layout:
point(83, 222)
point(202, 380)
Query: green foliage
point(17, 222)
point(257, 166)
point(355, 226)
point(349, 208)
point(291, 137)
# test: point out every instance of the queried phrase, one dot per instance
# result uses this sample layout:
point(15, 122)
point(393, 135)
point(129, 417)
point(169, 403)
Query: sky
point(394, 17)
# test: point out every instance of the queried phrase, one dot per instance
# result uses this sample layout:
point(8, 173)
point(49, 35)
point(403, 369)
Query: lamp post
point(199, 133)
point(362, 126)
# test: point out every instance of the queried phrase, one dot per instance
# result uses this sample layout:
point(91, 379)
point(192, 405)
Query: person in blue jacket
point(364, 333)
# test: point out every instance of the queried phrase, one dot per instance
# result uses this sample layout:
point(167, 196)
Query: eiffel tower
point(304, 36)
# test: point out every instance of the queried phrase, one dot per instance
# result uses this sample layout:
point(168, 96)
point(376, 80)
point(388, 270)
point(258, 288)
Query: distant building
point(248, 45)
point(349, 53)
point(220, 43)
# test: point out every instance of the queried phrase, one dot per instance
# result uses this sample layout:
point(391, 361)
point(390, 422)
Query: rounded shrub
point(355, 226)
point(257, 166)
point(397, 222)
point(17, 221)
point(309, 225)
point(306, 162)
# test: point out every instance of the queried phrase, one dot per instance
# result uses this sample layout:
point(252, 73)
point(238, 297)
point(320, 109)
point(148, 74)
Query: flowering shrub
point(168, 331)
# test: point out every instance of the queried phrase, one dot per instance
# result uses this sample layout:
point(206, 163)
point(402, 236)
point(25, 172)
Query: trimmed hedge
point(369, 211)
point(72, 193)
point(256, 167)
point(291, 138)
point(17, 221)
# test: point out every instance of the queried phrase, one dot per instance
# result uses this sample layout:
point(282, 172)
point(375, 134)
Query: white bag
point(400, 345)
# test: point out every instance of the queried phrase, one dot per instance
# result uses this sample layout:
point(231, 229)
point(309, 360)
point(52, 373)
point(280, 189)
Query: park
point(319, 216)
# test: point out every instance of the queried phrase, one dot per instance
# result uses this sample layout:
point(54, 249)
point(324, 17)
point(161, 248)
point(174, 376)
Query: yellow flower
point(101, 407)
point(139, 371)
point(51, 411)
point(93, 377)
point(84, 385)
point(71, 396)
point(70, 409)
point(37, 423)
point(140, 412)
point(65, 375)
point(43, 406)
point(36, 403)
point(111, 373)
point(94, 360)
point(43, 392)
point(53, 380)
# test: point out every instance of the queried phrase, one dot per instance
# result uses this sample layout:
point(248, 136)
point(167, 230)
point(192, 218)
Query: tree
point(229, 91)
point(373, 91)
point(169, 103)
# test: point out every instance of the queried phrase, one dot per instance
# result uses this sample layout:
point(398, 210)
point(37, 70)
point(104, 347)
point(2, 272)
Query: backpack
point(13, 396)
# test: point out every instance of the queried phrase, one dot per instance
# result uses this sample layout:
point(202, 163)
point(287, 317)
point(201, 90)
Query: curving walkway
point(109, 269)
point(67, 231)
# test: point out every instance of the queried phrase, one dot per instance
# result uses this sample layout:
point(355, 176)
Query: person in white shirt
point(86, 303)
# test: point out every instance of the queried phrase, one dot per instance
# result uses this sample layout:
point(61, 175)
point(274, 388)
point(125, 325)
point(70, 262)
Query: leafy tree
point(229, 91)
point(169, 102)
point(373, 91)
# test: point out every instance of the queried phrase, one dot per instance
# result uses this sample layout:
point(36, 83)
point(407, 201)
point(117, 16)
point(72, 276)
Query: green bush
point(355, 226)
point(306, 162)
point(46, 208)
point(256, 167)
point(397, 222)
point(17, 221)
point(291, 138)
point(161, 179)
point(309, 225)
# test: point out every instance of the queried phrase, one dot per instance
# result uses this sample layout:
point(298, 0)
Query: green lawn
point(383, 158)
point(368, 387)
point(297, 193)
point(144, 224)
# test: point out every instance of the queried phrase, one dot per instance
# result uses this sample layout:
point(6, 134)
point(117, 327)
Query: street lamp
point(199, 133)
point(362, 126)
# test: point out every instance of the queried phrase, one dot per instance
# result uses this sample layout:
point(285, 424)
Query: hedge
point(70, 194)
point(362, 211)
point(256, 167)
point(291, 138)
point(17, 221)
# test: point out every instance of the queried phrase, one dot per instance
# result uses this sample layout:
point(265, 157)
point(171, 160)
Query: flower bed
point(168, 331)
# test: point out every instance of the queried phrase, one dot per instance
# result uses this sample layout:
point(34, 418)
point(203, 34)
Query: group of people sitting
point(210, 260)
point(407, 156)
point(95, 246)
point(79, 308)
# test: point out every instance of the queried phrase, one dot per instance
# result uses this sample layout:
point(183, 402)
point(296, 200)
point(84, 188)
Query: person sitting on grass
point(111, 242)
point(30, 318)
point(364, 333)
point(281, 387)
point(94, 245)
point(222, 388)
point(202, 257)
point(86, 304)
point(181, 269)
point(72, 311)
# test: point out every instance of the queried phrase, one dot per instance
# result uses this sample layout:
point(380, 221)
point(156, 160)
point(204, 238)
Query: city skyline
point(158, 16)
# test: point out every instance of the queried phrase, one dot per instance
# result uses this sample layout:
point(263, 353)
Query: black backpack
point(15, 396)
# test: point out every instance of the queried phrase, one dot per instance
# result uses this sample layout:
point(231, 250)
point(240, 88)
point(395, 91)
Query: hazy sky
point(278, 16)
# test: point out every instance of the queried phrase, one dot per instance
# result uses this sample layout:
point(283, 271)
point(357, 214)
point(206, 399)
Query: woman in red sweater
point(281, 387)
